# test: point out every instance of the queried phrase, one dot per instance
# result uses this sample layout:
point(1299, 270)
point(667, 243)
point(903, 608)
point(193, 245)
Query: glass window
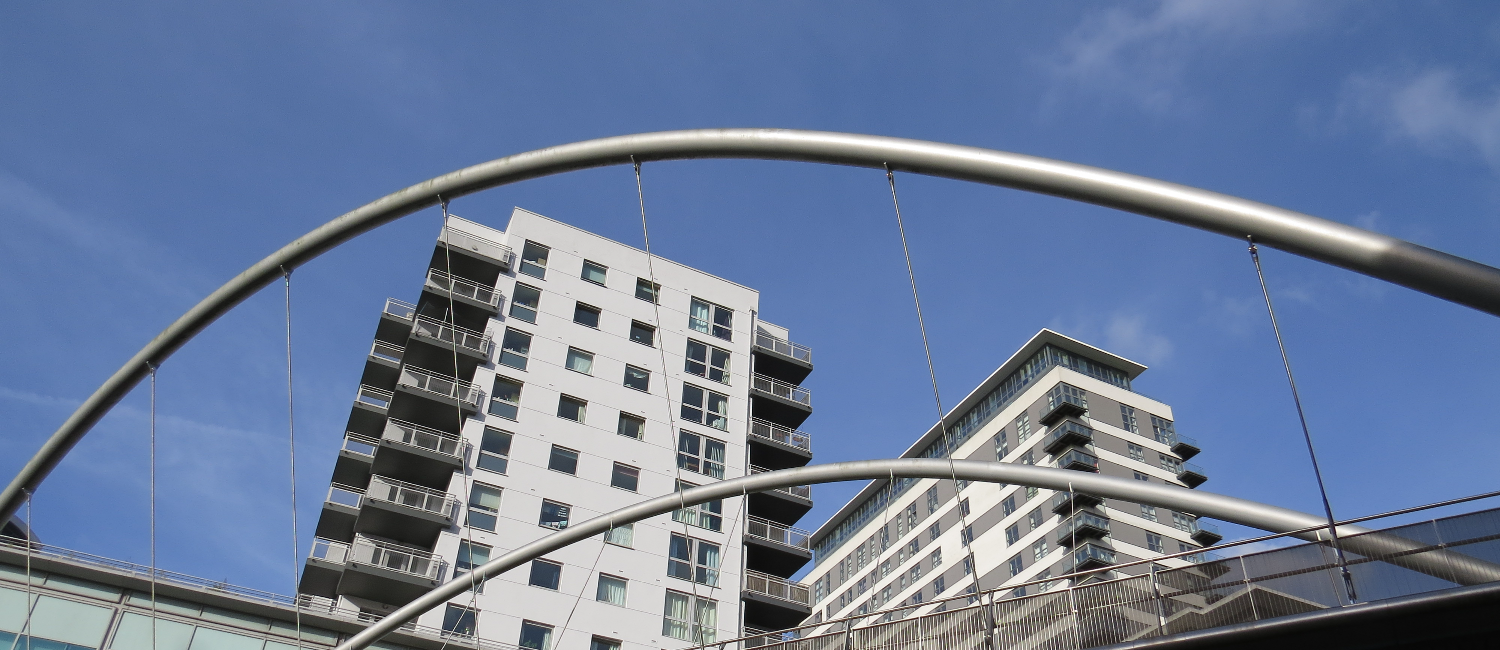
point(700, 454)
point(1013, 534)
point(470, 555)
point(1036, 518)
point(647, 290)
point(934, 531)
point(1169, 463)
point(1141, 477)
point(1127, 419)
point(563, 460)
point(1002, 446)
point(534, 259)
point(1028, 458)
point(515, 349)
point(709, 516)
point(638, 378)
point(1039, 549)
point(594, 272)
point(1163, 431)
point(631, 426)
point(1153, 542)
point(545, 574)
point(621, 536)
point(580, 361)
point(1184, 522)
point(601, 643)
point(932, 500)
point(555, 515)
point(705, 407)
point(707, 361)
point(1031, 493)
point(535, 636)
point(939, 585)
point(966, 535)
point(1008, 506)
point(484, 506)
point(571, 408)
point(625, 477)
point(1137, 452)
point(936, 559)
point(1017, 564)
point(690, 618)
point(963, 507)
point(708, 318)
point(459, 620)
point(694, 560)
point(611, 590)
point(1023, 427)
point(494, 450)
point(505, 399)
point(642, 333)
point(586, 315)
point(1148, 512)
point(524, 302)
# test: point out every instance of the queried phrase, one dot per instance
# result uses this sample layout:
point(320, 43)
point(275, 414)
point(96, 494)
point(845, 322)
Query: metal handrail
point(328, 550)
point(400, 308)
point(441, 385)
point(388, 351)
point(778, 433)
point(463, 287)
point(778, 588)
point(485, 247)
point(416, 435)
point(345, 495)
point(781, 389)
point(450, 333)
point(1190, 467)
point(377, 397)
point(397, 557)
point(420, 497)
point(803, 491)
point(783, 347)
point(780, 533)
point(361, 440)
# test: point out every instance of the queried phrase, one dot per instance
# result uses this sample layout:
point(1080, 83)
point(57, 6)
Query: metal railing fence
point(778, 433)
point(416, 435)
point(458, 239)
point(396, 557)
point(386, 351)
point(803, 491)
point(778, 388)
point(400, 308)
point(412, 496)
point(779, 533)
point(451, 334)
point(442, 385)
point(376, 397)
point(462, 287)
point(783, 347)
point(778, 588)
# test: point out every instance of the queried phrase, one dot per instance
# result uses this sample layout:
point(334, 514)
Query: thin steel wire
point(31, 539)
point(1333, 533)
point(291, 434)
point(152, 366)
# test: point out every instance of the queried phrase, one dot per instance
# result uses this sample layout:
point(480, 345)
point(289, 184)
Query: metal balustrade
point(778, 433)
point(779, 533)
point(416, 435)
point(400, 309)
point(345, 495)
point(778, 388)
point(372, 396)
point(802, 491)
point(358, 444)
point(778, 588)
point(386, 351)
point(465, 338)
point(441, 385)
point(397, 557)
point(460, 240)
point(461, 287)
point(783, 347)
point(410, 495)
point(328, 550)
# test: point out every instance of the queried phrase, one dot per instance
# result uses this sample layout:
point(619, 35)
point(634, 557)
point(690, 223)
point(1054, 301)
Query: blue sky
point(149, 153)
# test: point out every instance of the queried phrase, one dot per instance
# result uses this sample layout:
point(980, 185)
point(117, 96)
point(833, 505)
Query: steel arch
point(1446, 276)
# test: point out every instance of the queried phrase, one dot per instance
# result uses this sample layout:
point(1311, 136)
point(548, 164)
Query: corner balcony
point(441, 389)
point(1184, 446)
point(341, 508)
point(1064, 401)
point(452, 337)
point(398, 312)
point(781, 358)
point(1066, 502)
point(785, 505)
point(359, 448)
point(386, 354)
point(1069, 433)
point(464, 291)
point(389, 572)
point(372, 399)
point(405, 511)
point(1080, 527)
point(478, 247)
point(325, 565)
point(1206, 533)
point(774, 603)
point(776, 548)
point(1191, 475)
point(425, 442)
point(779, 446)
point(1078, 460)
point(777, 401)
point(1092, 556)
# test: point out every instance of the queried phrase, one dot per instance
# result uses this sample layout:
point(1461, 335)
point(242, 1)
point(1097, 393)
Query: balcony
point(1069, 433)
point(781, 447)
point(1184, 446)
point(776, 548)
point(344, 498)
point(778, 401)
point(386, 354)
point(774, 603)
point(1066, 502)
point(1092, 556)
point(400, 496)
point(1064, 401)
point(1191, 475)
point(459, 241)
point(446, 389)
point(398, 310)
point(358, 447)
point(781, 435)
point(389, 572)
point(425, 441)
point(773, 532)
point(452, 337)
point(1206, 533)
point(1082, 526)
point(370, 398)
point(781, 358)
point(785, 504)
point(328, 553)
point(1079, 460)
point(799, 491)
point(464, 291)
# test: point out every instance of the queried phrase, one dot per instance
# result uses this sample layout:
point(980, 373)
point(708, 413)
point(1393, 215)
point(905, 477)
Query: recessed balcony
point(411, 499)
point(1082, 526)
point(1066, 502)
point(398, 311)
point(778, 446)
point(358, 447)
point(1184, 446)
point(1191, 475)
point(325, 565)
point(1092, 556)
point(1079, 460)
point(781, 435)
point(440, 388)
point(462, 290)
point(424, 441)
point(452, 337)
point(459, 241)
point(1068, 433)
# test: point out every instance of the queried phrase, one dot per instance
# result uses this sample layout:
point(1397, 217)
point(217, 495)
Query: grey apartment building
point(1057, 402)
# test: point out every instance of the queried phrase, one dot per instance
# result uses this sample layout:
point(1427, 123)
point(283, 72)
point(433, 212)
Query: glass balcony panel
point(400, 309)
point(327, 550)
point(416, 435)
point(361, 445)
point(458, 239)
point(413, 496)
point(345, 495)
point(460, 287)
point(397, 557)
point(373, 396)
point(466, 339)
point(441, 385)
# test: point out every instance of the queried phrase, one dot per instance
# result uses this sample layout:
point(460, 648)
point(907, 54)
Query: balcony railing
point(459, 239)
point(416, 435)
point(327, 550)
point(778, 388)
point(783, 347)
point(464, 288)
point(1065, 502)
point(372, 396)
point(1206, 533)
point(778, 588)
point(345, 495)
point(426, 499)
point(398, 558)
point(388, 352)
point(1066, 434)
point(1080, 460)
point(1090, 555)
point(400, 309)
point(442, 386)
point(1192, 475)
point(362, 445)
point(781, 434)
point(466, 339)
point(774, 532)
point(801, 491)
point(1084, 525)
point(1184, 446)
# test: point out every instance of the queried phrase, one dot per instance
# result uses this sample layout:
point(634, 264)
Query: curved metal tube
point(1387, 258)
point(1265, 517)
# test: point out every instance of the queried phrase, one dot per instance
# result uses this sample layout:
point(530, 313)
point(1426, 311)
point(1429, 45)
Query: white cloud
point(1142, 55)
point(1126, 333)
point(1431, 109)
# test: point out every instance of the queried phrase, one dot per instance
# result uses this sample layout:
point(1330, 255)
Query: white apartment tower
point(1057, 402)
point(518, 395)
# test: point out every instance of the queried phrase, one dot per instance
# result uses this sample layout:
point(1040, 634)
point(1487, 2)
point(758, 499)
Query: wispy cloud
point(1142, 54)
point(1127, 333)
point(1432, 108)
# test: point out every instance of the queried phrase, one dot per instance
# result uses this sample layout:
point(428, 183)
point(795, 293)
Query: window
point(1002, 446)
point(638, 378)
point(934, 531)
point(494, 450)
point(515, 349)
point(915, 574)
point(708, 318)
point(484, 506)
point(693, 560)
point(555, 515)
point(690, 618)
point(505, 399)
point(535, 636)
point(524, 302)
point(611, 590)
point(601, 643)
point(625, 477)
point(1148, 512)
point(571, 408)
point(631, 426)
point(1141, 477)
point(859, 556)
point(1184, 522)
point(1039, 549)
point(470, 556)
point(939, 585)
point(642, 333)
point(1028, 458)
point(1008, 506)
point(647, 290)
point(700, 454)
point(1023, 427)
point(963, 507)
point(707, 361)
point(1137, 452)
point(885, 568)
point(459, 620)
point(1127, 419)
point(916, 597)
point(1013, 534)
point(1153, 542)
point(621, 536)
point(580, 361)
point(1169, 463)
point(966, 535)
point(545, 574)
point(594, 272)
point(1017, 564)
point(563, 460)
point(932, 500)
point(1036, 518)
point(1068, 394)
point(1163, 431)
point(705, 407)
point(885, 538)
point(1031, 493)
point(534, 260)
point(586, 315)
point(936, 558)
point(968, 566)
point(708, 516)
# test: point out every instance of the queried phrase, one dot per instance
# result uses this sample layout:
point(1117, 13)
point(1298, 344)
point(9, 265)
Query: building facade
point(1057, 402)
point(522, 393)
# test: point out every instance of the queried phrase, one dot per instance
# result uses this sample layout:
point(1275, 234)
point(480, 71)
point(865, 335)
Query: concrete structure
point(1057, 402)
point(550, 387)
